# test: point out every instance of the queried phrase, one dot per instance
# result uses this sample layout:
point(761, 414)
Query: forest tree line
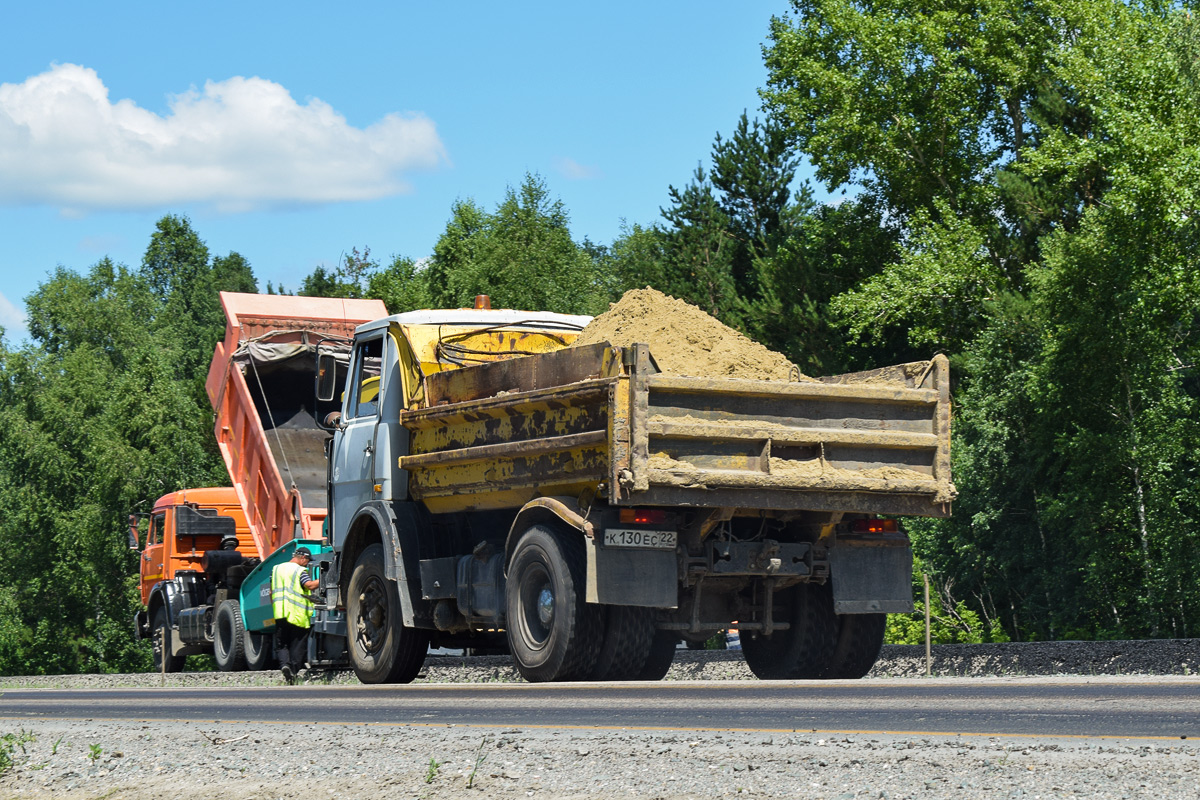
point(1019, 187)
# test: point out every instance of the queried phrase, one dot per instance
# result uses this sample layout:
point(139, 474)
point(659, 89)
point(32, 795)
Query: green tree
point(829, 251)
point(177, 268)
point(522, 256)
point(97, 422)
point(700, 250)
point(401, 286)
point(348, 279)
point(1041, 163)
point(747, 244)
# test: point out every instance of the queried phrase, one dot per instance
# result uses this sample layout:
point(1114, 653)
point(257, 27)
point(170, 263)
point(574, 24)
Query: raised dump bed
point(261, 385)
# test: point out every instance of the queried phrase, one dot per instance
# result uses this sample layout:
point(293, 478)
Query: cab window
point(366, 383)
point(156, 528)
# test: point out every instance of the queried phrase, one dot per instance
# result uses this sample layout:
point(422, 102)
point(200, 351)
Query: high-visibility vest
point(288, 596)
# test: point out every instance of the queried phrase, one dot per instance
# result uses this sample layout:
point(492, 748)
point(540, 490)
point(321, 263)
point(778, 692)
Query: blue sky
point(293, 132)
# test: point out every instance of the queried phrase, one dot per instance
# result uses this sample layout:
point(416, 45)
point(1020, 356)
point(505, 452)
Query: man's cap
point(302, 551)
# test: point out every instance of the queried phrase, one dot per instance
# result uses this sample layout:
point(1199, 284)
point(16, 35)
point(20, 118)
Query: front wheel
point(259, 648)
point(554, 634)
point(229, 637)
point(382, 649)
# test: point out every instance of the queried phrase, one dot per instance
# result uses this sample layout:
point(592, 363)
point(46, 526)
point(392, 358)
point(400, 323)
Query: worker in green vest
point(290, 583)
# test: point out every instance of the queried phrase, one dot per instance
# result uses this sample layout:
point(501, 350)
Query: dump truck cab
point(391, 362)
point(188, 544)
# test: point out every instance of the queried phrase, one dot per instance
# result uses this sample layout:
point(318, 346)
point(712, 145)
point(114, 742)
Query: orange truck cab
point(196, 551)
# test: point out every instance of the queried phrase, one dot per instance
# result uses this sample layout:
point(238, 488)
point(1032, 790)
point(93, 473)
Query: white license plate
point(652, 540)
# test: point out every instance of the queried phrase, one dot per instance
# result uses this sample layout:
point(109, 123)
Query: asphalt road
point(1102, 707)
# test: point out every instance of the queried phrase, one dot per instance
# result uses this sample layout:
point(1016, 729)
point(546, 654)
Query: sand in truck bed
point(684, 340)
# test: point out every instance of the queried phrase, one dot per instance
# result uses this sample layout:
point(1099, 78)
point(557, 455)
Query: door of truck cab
point(151, 563)
point(354, 443)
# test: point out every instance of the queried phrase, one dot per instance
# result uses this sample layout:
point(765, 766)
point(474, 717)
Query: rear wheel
point(628, 634)
point(554, 634)
point(382, 649)
point(860, 638)
point(259, 650)
point(229, 637)
point(803, 651)
point(160, 629)
point(662, 653)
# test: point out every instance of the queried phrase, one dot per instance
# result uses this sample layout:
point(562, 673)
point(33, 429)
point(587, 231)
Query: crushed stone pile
point(684, 340)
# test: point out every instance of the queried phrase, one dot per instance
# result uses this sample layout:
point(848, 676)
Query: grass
point(480, 757)
point(9, 743)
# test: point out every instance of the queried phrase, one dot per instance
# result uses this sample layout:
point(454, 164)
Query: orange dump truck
point(201, 543)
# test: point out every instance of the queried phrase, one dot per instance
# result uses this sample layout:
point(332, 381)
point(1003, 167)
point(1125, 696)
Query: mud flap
point(871, 580)
point(627, 577)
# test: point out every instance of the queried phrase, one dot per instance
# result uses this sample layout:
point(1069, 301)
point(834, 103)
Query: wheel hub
point(545, 606)
point(371, 624)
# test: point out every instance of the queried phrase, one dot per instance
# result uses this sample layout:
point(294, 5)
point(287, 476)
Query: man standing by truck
point(290, 583)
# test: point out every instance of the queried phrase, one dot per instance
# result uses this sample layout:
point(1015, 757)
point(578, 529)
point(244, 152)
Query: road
point(1166, 708)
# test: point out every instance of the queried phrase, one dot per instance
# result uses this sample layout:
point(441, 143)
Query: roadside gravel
point(145, 760)
point(1151, 657)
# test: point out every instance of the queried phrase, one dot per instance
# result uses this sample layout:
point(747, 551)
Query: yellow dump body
point(601, 419)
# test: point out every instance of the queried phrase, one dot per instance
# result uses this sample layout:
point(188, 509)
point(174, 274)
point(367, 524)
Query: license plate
point(651, 540)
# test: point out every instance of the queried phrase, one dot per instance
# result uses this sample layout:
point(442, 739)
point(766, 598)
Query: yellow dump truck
point(492, 485)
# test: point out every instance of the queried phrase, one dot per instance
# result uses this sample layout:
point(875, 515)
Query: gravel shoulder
point(198, 760)
point(1154, 657)
point(144, 760)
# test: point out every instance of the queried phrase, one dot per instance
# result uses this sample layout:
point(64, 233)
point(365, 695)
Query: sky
point(291, 133)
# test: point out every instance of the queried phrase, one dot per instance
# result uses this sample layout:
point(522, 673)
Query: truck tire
point(805, 650)
point(554, 634)
point(860, 638)
point(260, 650)
point(662, 653)
point(628, 634)
point(381, 649)
point(160, 631)
point(229, 637)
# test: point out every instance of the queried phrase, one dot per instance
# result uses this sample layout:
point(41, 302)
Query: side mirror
point(326, 376)
point(133, 532)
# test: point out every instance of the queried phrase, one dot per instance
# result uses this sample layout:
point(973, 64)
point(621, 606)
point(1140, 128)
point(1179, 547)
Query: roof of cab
point(207, 496)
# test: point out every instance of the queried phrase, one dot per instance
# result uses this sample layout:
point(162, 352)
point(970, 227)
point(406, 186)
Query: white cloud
point(12, 317)
point(572, 170)
point(238, 144)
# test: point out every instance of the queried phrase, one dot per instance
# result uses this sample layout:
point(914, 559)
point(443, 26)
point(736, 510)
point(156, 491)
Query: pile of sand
point(684, 340)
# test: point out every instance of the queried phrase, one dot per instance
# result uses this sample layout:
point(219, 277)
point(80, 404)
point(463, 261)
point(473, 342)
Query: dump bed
point(603, 418)
point(261, 385)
